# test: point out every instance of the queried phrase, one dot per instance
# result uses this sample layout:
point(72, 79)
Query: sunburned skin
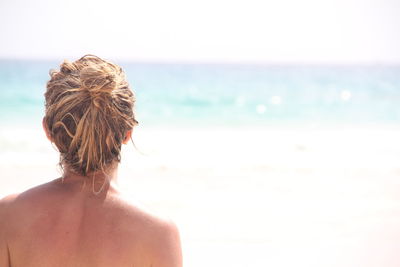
point(63, 223)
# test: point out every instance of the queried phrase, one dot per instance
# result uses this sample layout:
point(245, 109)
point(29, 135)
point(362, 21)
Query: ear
point(46, 130)
point(127, 137)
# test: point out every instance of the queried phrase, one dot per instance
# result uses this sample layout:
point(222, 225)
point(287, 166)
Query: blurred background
point(268, 130)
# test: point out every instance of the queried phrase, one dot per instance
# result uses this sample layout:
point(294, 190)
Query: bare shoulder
point(16, 208)
point(5, 212)
point(160, 234)
point(5, 203)
point(12, 203)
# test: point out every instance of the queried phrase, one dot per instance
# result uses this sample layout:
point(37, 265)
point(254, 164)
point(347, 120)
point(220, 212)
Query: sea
point(228, 95)
point(258, 164)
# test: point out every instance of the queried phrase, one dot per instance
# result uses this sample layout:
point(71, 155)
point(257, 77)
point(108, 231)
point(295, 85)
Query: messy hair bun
point(89, 109)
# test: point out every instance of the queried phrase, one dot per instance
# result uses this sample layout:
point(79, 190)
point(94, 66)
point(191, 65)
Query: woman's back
point(65, 224)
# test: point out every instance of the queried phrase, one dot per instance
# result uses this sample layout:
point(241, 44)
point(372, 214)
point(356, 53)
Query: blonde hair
point(89, 109)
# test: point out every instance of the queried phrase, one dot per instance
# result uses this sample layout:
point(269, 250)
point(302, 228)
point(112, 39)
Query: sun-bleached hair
point(89, 109)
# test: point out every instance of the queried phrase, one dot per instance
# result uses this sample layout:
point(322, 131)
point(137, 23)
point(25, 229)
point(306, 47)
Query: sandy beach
point(269, 196)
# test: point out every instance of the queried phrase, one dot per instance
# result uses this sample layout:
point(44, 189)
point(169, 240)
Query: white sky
point(296, 31)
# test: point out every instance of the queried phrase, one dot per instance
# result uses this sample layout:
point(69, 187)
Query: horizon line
point(218, 62)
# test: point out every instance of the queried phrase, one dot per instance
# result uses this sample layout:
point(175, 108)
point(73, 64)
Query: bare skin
point(62, 223)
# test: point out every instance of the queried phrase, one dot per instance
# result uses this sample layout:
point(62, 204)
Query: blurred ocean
point(228, 95)
point(230, 152)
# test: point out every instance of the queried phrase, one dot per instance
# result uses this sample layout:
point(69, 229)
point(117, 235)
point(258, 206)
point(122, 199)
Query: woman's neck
point(99, 182)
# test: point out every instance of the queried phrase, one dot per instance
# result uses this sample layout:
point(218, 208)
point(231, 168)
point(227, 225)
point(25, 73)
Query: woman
point(81, 219)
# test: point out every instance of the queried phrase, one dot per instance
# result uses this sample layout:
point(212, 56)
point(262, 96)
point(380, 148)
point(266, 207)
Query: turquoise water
point(228, 95)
